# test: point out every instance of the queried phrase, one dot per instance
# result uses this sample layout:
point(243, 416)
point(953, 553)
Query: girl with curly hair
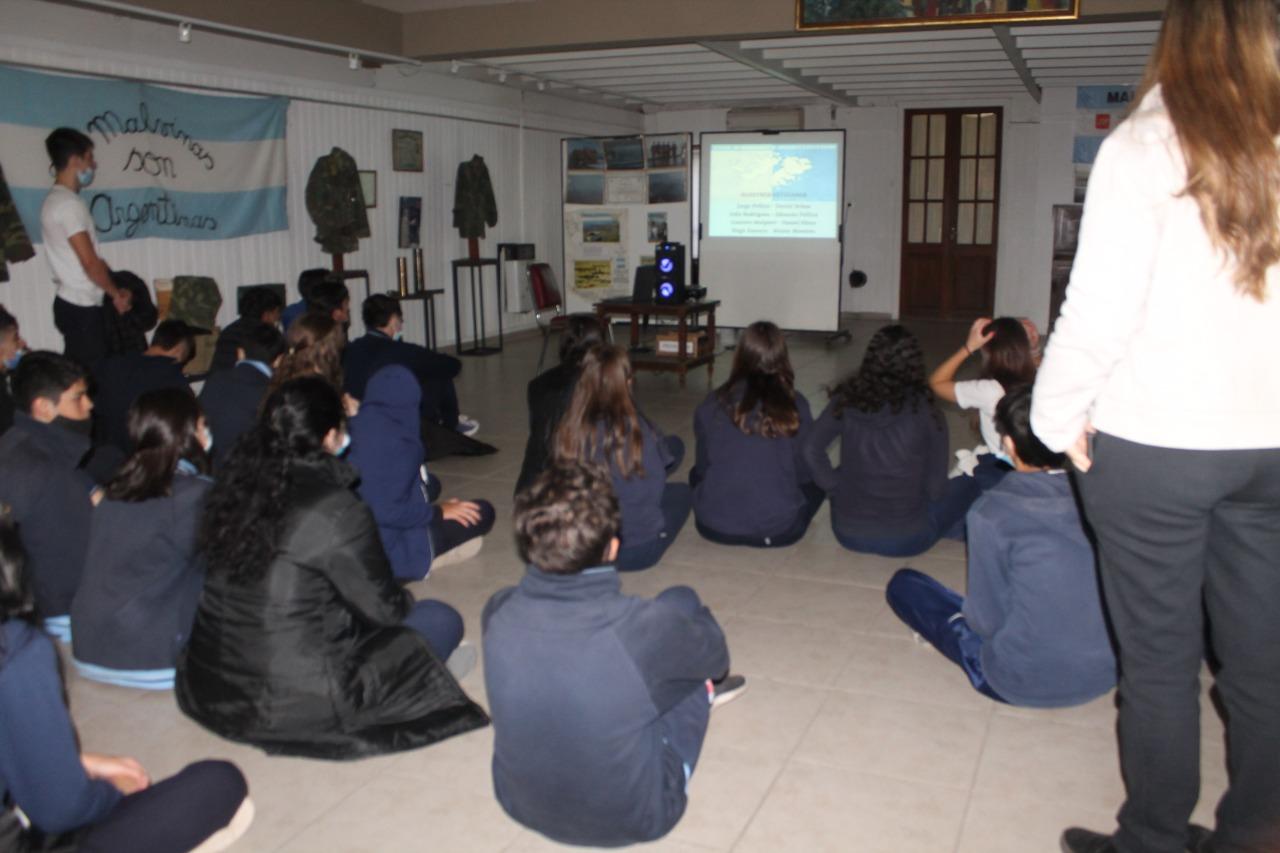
point(890, 494)
point(751, 485)
point(303, 643)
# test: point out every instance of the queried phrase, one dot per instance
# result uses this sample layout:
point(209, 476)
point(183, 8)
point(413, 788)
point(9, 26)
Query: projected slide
point(780, 190)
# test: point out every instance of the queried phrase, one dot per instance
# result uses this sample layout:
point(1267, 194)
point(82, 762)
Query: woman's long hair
point(1215, 62)
point(1008, 357)
point(245, 509)
point(602, 417)
point(891, 375)
point(163, 427)
point(313, 347)
point(581, 333)
point(762, 367)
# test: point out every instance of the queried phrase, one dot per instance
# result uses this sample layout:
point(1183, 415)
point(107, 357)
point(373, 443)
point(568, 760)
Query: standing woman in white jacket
point(1162, 383)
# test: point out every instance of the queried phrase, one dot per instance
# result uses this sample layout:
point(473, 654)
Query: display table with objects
point(688, 352)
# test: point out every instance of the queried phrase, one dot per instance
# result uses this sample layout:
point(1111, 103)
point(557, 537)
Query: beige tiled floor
point(852, 737)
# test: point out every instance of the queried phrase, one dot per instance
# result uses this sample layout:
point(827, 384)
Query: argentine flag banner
point(171, 163)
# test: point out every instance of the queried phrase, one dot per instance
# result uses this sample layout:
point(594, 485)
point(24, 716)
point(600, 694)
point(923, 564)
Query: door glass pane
point(986, 214)
point(919, 135)
point(968, 134)
point(968, 177)
point(933, 225)
point(937, 135)
point(915, 222)
point(987, 145)
point(916, 189)
point(936, 172)
point(964, 224)
point(986, 178)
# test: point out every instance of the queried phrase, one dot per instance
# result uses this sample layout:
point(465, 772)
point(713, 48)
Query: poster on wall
point(599, 255)
point(171, 164)
point(1098, 110)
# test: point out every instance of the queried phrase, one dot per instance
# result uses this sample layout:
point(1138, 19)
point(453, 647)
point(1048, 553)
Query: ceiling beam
point(1010, 45)
point(754, 58)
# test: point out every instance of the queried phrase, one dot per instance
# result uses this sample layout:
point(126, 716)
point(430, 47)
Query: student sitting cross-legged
point(1031, 631)
point(386, 448)
point(751, 485)
point(603, 426)
point(231, 398)
point(53, 797)
point(303, 642)
point(600, 701)
point(890, 494)
point(138, 592)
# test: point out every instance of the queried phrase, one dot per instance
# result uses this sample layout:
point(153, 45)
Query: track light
point(353, 61)
point(453, 67)
point(542, 86)
point(502, 76)
point(184, 32)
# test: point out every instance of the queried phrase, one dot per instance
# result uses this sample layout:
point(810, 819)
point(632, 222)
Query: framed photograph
point(406, 150)
point(626, 152)
point(1066, 229)
point(584, 189)
point(369, 188)
point(859, 14)
point(667, 187)
point(410, 229)
point(585, 153)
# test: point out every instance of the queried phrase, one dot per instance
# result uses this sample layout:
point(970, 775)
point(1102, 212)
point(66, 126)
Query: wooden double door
point(950, 212)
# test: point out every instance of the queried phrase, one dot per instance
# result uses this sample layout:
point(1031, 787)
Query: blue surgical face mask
point(398, 336)
point(85, 177)
point(1003, 457)
point(12, 363)
point(345, 446)
point(207, 441)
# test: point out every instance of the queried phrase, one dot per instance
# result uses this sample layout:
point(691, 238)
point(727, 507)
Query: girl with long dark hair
point(303, 642)
point(1162, 383)
point(55, 797)
point(137, 596)
point(1008, 348)
point(751, 485)
point(604, 426)
point(890, 494)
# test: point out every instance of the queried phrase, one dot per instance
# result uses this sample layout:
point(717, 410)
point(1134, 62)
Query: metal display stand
point(348, 275)
point(428, 300)
point(479, 335)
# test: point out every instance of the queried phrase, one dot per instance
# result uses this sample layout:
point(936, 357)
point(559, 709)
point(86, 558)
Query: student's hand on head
point(977, 340)
point(466, 513)
point(126, 774)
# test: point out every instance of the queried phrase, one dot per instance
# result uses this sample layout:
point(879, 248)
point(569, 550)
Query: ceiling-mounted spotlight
point(353, 61)
point(542, 86)
point(453, 67)
point(184, 32)
point(502, 76)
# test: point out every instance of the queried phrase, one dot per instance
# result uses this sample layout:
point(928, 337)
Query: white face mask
point(85, 177)
point(345, 446)
point(206, 440)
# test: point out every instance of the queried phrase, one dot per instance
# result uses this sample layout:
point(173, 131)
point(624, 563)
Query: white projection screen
point(771, 214)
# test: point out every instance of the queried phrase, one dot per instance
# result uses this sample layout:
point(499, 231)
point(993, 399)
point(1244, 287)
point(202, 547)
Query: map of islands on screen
point(776, 190)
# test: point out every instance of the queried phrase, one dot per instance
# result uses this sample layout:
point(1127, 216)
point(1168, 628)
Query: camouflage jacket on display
point(15, 245)
point(195, 301)
point(336, 203)
point(473, 203)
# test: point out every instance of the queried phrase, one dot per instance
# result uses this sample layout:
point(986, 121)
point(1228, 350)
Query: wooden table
point(683, 312)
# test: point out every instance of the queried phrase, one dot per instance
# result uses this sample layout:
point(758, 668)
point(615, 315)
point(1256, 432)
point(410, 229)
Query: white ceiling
point(847, 68)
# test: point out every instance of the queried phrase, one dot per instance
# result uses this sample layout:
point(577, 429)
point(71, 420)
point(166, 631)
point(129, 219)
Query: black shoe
point(727, 689)
point(1199, 839)
point(1077, 840)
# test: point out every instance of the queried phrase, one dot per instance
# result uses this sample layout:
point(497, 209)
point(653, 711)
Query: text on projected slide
point(773, 190)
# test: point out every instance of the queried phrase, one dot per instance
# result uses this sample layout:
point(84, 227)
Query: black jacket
point(230, 402)
point(138, 593)
point(120, 380)
point(224, 350)
point(549, 395)
point(309, 657)
point(49, 495)
point(369, 353)
point(474, 206)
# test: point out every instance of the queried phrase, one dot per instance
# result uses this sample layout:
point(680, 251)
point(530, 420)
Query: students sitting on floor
point(1031, 630)
point(53, 796)
point(603, 426)
point(121, 379)
point(258, 305)
point(331, 298)
point(890, 494)
point(303, 642)
point(383, 344)
point(751, 485)
point(1009, 350)
point(41, 479)
point(307, 279)
point(132, 612)
point(313, 347)
point(12, 348)
point(600, 701)
point(550, 391)
point(231, 399)
point(387, 451)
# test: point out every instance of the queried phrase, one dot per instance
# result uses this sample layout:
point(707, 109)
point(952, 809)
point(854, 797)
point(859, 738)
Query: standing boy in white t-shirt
point(79, 273)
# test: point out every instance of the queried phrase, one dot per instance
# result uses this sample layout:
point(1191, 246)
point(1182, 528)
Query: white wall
point(517, 133)
point(1036, 174)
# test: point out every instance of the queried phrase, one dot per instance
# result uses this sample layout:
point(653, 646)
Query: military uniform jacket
point(335, 203)
point(474, 206)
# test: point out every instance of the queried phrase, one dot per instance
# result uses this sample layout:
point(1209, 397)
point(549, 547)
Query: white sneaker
point(467, 426)
point(462, 661)
point(465, 551)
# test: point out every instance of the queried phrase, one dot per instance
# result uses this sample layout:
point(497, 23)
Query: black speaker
point(669, 258)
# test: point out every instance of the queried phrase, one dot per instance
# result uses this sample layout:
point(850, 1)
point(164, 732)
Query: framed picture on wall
point(410, 224)
point(858, 14)
point(406, 150)
point(369, 188)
